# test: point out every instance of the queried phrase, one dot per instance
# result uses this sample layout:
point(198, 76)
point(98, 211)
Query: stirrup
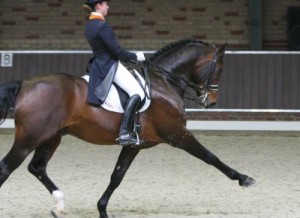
point(128, 139)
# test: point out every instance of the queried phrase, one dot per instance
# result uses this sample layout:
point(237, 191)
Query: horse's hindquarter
point(43, 103)
point(57, 103)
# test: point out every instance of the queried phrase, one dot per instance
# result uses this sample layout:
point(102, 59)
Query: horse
point(48, 107)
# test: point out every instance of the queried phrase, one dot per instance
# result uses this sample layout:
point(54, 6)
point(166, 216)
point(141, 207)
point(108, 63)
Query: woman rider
point(108, 52)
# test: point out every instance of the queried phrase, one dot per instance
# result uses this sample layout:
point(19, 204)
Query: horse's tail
point(8, 94)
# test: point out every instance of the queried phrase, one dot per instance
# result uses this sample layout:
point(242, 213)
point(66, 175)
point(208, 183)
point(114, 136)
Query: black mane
point(175, 44)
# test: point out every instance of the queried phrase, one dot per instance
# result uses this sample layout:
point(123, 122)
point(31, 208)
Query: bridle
point(208, 86)
point(202, 91)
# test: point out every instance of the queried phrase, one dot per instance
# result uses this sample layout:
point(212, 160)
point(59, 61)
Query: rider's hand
point(140, 56)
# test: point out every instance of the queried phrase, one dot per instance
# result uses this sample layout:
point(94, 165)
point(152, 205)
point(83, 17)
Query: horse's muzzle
point(211, 99)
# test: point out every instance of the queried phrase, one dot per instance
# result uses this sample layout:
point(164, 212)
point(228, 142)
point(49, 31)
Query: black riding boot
point(126, 137)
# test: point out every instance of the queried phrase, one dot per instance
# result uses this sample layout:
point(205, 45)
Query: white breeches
point(127, 82)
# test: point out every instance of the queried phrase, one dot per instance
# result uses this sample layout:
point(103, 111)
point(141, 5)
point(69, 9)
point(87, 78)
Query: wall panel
point(249, 80)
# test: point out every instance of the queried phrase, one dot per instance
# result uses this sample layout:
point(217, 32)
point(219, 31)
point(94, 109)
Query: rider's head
point(96, 5)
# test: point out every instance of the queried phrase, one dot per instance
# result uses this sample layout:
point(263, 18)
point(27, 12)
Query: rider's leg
point(126, 136)
point(128, 83)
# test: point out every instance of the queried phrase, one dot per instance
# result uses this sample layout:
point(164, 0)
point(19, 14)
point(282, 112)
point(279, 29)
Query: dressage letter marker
point(6, 59)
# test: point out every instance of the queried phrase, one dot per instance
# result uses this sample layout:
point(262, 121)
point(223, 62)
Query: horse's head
point(192, 63)
point(206, 74)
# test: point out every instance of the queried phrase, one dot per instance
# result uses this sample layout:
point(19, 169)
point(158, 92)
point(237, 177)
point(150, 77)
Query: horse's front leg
point(125, 159)
point(186, 141)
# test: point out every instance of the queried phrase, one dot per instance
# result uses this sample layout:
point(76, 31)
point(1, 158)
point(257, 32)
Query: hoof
point(55, 214)
point(247, 182)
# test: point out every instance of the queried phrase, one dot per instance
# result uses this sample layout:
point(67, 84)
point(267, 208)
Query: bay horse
point(46, 108)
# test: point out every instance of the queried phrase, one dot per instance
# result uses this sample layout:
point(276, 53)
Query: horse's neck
point(173, 61)
point(178, 64)
point(176, 72)
point(169, 63)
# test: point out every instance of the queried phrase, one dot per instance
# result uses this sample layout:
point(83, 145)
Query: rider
point(107, 52)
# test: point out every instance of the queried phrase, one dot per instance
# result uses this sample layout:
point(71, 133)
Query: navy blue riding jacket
point(106, 51)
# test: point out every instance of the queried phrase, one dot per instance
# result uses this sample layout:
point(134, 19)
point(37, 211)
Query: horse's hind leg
point(189, 143)
point(125, 159)
point(38, 165)
point(13, 159)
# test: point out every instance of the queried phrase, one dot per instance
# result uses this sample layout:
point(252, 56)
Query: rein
point(202, 91)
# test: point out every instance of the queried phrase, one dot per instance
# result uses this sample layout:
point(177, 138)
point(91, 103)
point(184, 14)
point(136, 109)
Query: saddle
point(114, 97)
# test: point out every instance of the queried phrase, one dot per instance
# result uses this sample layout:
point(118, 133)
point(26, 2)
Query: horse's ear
point(222, 49)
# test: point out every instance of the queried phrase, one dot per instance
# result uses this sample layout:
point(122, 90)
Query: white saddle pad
point(112, 101)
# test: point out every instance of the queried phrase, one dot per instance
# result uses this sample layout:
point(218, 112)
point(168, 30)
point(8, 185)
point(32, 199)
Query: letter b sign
point(6, 59)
